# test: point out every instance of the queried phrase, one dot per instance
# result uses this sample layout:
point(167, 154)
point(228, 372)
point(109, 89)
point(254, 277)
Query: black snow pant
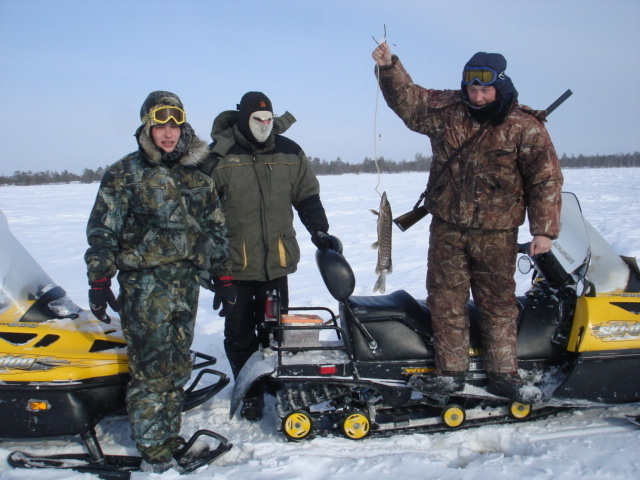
point(243, 332)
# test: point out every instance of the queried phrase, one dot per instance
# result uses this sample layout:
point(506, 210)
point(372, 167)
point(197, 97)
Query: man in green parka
point(260, 175)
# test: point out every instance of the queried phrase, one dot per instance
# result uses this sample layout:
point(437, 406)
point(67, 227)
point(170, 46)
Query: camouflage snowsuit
point(161, 226)
point(481, 200)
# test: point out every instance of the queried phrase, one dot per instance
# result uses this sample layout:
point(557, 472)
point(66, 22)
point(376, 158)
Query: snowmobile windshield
point(23, 283)
point(572, 248)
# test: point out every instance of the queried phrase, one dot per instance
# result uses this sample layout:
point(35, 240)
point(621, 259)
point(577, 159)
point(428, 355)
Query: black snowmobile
point(62, 371)
point(578, 342)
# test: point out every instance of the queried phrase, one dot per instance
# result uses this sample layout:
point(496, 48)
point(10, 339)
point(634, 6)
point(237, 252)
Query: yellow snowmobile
point(62, 371)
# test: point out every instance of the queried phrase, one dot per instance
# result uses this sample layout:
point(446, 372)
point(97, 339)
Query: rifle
point(418, 212)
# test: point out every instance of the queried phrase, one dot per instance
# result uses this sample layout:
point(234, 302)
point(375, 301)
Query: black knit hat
point(251, 102)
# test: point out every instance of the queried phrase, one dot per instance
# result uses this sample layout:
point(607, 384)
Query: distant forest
point(420, 163)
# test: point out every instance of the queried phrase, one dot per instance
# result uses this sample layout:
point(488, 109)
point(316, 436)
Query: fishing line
point(375, 133)
point(375, 115)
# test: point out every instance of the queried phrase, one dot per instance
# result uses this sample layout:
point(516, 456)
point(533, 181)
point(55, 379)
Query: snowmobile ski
point(634, 419)
point(119, 467)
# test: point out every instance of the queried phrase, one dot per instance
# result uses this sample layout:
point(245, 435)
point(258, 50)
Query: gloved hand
point(225, 294)
point(324, 240)
point(100, 295)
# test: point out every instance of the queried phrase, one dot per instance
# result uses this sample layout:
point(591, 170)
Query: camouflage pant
point(484, 261)
point(158, 315)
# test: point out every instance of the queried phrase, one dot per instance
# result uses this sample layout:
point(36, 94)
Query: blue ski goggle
point(480, 75)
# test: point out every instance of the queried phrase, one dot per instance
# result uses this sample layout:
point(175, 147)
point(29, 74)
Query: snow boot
point(439, 382)
point(149, 466)
point(252, 408)
point(511, 386)
point(159, 458)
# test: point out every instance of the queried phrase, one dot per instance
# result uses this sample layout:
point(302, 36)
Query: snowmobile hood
point(44, 336)
point(225, 130)
point(336, 273)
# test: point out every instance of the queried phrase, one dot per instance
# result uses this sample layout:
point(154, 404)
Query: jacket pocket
point(237, 250)
point(288, 249)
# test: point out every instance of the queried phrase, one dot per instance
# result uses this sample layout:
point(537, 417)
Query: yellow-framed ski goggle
point(163, 114)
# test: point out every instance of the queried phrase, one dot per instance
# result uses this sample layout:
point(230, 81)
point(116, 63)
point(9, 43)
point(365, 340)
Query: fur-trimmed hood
point(195, 153)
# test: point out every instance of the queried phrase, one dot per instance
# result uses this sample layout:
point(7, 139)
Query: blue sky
point(73, 73)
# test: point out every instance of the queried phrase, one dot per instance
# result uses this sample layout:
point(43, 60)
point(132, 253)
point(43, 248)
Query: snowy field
point(588, 444)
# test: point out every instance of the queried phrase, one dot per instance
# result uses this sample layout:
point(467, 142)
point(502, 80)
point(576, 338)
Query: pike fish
point(383, 244)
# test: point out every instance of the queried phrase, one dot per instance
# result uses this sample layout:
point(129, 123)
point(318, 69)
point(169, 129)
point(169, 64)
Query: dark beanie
point(507, 93)
point(251, 102)
point(494, 61)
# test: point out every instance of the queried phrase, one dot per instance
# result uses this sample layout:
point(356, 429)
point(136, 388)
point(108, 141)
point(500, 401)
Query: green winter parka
point(258, 186)
point(149, 214)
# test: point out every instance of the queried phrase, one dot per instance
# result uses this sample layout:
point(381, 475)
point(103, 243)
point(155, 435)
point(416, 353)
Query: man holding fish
point(493, 161)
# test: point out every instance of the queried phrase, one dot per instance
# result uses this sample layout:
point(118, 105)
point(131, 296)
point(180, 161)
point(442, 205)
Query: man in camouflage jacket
point(261, 176)
point(504, 166)
point(157, 220)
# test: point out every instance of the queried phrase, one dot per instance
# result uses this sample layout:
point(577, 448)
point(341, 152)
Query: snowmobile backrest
point(336, 273)
point(398, 323)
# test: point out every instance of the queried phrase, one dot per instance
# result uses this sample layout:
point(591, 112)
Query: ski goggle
point(161, 115)
point(480, 75)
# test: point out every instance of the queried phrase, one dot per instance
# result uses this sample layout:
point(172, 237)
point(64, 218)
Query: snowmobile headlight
point(63, 307)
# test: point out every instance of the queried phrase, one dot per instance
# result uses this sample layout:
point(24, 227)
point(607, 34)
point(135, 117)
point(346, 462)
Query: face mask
point(261, 124)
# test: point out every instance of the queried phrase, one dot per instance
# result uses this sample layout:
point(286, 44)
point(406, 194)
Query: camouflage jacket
point(507, 170)
point(146, 215)
point(258, 188)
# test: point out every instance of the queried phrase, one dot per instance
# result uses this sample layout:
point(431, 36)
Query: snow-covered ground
point(588, 444)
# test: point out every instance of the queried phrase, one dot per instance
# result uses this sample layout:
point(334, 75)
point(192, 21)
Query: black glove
point(324, 240)
point(225, 294)
point(100, 295)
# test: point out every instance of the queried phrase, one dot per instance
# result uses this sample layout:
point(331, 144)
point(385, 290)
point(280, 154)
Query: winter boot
point(511, 386)
point(159, 458)
point(254, 402)
point(252, 408)
point(439, 382)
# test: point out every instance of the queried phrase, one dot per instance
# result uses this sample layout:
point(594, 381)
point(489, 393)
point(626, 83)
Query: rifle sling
point(451, 158)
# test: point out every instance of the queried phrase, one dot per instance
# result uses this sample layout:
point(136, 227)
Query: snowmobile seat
point(398, 323)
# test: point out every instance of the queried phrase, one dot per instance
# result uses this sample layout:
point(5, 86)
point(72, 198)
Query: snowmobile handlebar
point(548, 266)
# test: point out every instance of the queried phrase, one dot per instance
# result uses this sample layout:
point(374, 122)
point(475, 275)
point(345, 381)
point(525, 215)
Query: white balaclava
point(258, 126)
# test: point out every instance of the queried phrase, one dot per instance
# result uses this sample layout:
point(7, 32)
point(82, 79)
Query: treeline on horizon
point(420, 163)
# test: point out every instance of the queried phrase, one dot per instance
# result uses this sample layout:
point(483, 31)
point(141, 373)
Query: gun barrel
point(559, 101)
